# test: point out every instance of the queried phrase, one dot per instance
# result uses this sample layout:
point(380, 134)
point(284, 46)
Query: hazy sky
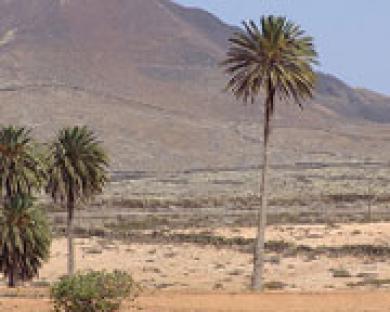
point(352, 36)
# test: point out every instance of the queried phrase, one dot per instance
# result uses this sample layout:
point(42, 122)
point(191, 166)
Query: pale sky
point(352, 36)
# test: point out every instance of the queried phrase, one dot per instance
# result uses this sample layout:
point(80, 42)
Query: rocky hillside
point(145, 75)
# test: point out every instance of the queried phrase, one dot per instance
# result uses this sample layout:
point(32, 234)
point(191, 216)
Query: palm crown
point(21, 168)
point(276, 57)
point(78, 165)
point(24, 239)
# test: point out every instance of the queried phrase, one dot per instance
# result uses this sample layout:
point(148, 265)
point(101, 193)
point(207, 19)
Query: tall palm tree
point(276, 58)
point(77, 171)
point(21, 169)
point(25, 239)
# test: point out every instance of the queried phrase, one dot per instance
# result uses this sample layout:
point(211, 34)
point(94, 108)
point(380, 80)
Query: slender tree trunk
point(71, 251)
point(11, 278)
point(259, 250)
point(258, 258)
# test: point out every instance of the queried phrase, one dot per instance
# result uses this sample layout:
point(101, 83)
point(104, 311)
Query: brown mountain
point(145, 74)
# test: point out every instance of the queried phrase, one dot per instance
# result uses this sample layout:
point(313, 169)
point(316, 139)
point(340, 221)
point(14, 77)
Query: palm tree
point(21, 170)
point(77, 171)
point(275, 57)
point(25, 239)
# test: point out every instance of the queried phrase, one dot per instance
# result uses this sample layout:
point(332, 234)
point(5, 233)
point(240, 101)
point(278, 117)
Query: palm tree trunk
point(8, 190)
point(258, 265)
point(259, 250)
point(71, 251)
point(11, 278)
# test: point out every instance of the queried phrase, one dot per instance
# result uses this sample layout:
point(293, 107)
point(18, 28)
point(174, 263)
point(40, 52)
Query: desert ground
point(310, 268)
point(305, 258)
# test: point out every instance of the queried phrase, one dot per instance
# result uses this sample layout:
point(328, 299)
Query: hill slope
point(145, 74)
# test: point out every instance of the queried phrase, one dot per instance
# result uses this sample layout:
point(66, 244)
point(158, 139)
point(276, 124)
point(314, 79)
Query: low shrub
point(371, 282)
point(340, 273)
point(93, 292)
point(275, 285)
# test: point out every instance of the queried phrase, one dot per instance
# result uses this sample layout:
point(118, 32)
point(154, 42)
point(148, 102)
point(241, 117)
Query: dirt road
point(365, 301)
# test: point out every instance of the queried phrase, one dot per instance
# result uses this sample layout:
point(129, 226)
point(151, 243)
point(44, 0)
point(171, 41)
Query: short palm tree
point(275, 58)
point(77, 170)
point(21, 169)
point(25, 239)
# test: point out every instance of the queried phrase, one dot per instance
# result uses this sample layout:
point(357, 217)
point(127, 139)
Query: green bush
point(93, 291)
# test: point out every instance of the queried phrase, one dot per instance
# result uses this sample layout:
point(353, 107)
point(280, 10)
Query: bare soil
point(373, 301)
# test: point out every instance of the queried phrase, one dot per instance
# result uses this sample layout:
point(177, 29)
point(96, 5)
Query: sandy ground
point(374, 301)
point(206, 268)
point(190, 278)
